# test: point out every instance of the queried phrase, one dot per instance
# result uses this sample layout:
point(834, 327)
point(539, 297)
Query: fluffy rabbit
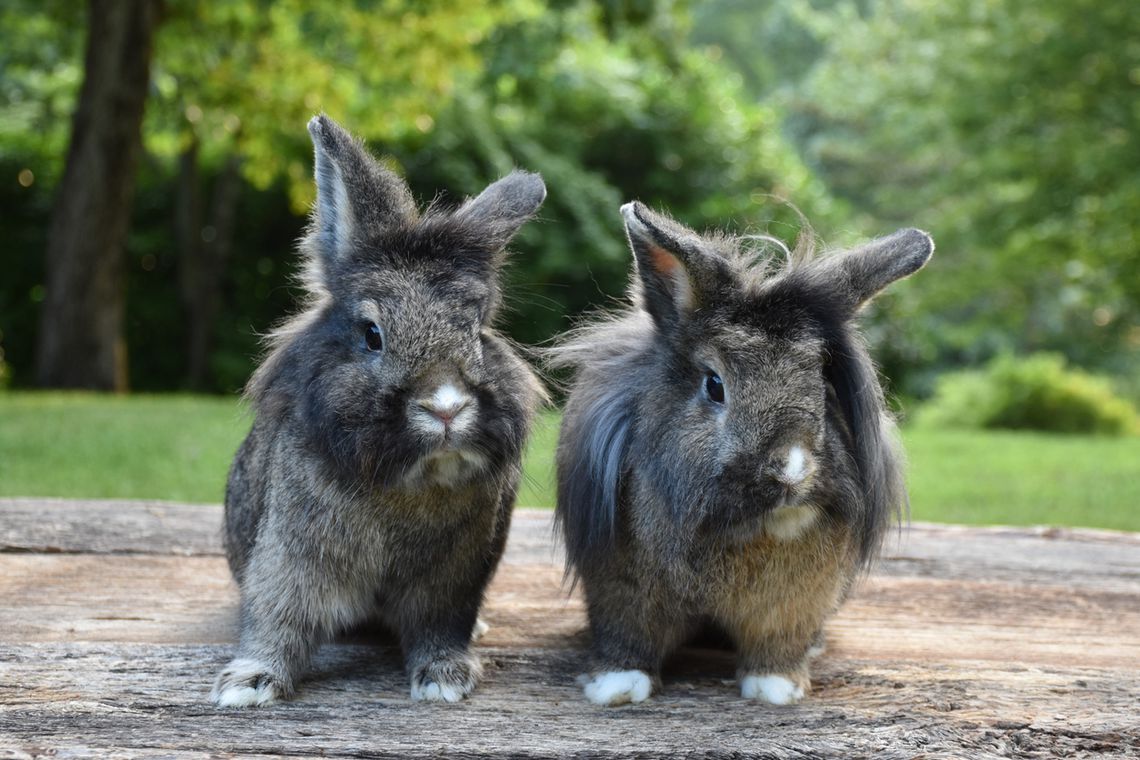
point(725, 458)
point(378, 479)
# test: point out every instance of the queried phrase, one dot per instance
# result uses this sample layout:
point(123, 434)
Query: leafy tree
point(773, 45)
point(606, 99)
point(1011, 131)
point(609, 105)
point(233, 85)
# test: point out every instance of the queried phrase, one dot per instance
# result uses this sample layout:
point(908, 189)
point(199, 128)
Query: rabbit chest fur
point(726, 456)
point(378, 479)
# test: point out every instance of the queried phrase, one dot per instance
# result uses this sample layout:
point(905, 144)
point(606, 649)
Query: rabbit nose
point(795, 466)
point(446, 403)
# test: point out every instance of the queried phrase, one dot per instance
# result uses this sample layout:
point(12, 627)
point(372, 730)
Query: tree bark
point(203, 252)
point(82, 342)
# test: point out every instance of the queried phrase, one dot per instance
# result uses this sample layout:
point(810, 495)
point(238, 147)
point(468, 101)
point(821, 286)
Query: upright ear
point(677, 273)
point(356, 196)
point(860, 274)
point(504, 206)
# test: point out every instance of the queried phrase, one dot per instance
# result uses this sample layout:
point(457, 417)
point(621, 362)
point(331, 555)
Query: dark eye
point(714, 387)
point(373, 338)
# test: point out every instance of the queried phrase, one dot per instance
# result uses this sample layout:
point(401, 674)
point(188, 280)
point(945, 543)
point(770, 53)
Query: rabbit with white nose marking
point(378, 479)
point(725, 455)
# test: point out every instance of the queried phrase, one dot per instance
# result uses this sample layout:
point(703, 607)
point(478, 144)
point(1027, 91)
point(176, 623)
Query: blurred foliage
point(605, 99)
point(1037, 392)
point(246, 76)
point(1007, 130)
point(773, 45)
point(605, 120)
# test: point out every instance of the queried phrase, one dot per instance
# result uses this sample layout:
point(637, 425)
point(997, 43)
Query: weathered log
point(964, 643)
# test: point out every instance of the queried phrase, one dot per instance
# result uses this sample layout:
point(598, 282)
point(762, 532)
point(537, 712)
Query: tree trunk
point(203, 252)
point(81, 341)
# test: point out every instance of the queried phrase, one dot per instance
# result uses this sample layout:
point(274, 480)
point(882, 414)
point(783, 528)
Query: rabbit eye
point(714, 387)
point(373, 338)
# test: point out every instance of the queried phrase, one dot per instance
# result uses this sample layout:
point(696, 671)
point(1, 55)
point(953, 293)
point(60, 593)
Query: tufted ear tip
point(319, 129)
point(633, 213)
point(918, 247)
point(529, 184)
point(865, 271)
point(502, 208)
point(522, 191)
point(316, 125)
point(327, 135)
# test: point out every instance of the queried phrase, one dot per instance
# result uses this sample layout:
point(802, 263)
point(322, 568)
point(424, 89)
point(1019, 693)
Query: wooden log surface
point(963, 643)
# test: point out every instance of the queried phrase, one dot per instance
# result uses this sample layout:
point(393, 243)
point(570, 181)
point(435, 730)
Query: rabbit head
point(729, 391)
point(393, 371)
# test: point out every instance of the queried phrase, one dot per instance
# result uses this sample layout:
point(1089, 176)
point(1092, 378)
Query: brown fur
point(725, 454)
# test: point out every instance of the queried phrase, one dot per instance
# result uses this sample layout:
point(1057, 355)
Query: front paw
point(619, 687)
point(248, 683)
point(772, 688)
point(446, 679)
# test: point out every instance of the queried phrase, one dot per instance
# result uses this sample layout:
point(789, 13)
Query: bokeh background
point(155, 173)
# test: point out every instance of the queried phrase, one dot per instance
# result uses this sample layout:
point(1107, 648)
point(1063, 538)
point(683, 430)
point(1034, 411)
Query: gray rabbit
point(378, 479)
point(726, 460)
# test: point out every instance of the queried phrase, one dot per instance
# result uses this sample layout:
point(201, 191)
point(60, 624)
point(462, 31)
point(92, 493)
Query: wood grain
point(964, 643)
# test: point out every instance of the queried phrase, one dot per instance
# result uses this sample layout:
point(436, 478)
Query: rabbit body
point(378, 479)
point(725, 455)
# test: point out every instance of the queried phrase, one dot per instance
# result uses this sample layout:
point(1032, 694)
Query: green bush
point(1036, 392)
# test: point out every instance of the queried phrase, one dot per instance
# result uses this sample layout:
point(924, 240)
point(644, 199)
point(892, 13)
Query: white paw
point(619, 687)
point(447, 679)
point(480, 628)
point(436, 692)
point(773, 689)
point(817, 649)
point(246, 683)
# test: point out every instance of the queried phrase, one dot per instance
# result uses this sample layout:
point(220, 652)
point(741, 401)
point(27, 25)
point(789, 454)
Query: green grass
point(179, 448)
point(1021, 478)
point(84, 445)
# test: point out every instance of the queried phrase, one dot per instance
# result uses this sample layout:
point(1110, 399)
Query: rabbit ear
point(356, 196)
point(860, 274)
point(676, 272)
point(505, 205)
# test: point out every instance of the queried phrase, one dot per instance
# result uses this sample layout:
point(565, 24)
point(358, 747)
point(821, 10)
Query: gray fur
point(352, 499)
point(355, 194)
point(505, 205)
point(677, 510)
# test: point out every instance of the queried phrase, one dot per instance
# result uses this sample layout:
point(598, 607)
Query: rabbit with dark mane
point(726, 458)
point(378, 480)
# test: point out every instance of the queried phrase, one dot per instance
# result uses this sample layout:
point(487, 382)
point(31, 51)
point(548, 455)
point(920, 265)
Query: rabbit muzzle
point(447, 410)
point(753, 497)
point(791, 469)
point(445, 417)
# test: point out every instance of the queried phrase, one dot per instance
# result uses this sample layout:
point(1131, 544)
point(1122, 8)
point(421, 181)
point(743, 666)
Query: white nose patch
point(795, 469)
point(448, 399)
point(447, 408)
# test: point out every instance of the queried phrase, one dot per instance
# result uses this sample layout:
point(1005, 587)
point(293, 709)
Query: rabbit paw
point(771, 688)
point(480, 628)
point(617, 687)
point(448, 679)
point(247, 683)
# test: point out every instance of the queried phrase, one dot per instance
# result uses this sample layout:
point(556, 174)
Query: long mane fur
point(598, 430)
